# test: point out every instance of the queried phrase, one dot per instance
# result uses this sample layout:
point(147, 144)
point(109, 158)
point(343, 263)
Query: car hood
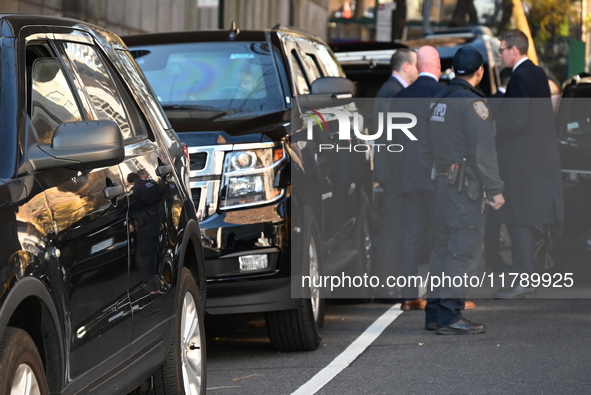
point(228, 127)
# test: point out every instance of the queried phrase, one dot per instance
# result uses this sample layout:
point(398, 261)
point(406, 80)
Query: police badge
point(481, 109)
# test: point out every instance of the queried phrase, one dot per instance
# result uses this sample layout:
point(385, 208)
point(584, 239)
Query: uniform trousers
point(459, 231)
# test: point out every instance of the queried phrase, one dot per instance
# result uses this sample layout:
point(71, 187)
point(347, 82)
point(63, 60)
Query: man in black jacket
point(528, 158)
point(403, 64)
point(406, 178)
point(459, 147)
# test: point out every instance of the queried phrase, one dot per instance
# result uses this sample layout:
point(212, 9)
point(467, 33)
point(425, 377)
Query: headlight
point(250, 177)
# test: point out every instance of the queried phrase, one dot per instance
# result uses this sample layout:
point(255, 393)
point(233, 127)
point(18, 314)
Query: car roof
point(227, 35)
point(193, 36)
point(12, 24)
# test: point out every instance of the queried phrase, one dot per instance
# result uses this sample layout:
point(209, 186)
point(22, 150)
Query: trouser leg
point(415, 225)
point(522, 247)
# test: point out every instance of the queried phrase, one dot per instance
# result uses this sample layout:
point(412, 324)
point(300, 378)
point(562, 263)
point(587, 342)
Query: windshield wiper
point(180, 106)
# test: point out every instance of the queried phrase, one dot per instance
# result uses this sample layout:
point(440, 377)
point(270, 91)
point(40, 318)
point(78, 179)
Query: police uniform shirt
point(460, 126)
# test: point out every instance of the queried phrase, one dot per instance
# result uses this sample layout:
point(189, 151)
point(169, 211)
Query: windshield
point(238, 76)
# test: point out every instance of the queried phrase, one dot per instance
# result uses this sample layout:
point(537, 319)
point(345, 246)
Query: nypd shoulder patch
point(481, 109)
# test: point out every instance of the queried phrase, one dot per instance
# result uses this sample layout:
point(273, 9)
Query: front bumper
point(227, 236)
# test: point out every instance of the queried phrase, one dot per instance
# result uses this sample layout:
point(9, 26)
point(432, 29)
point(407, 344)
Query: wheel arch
point(192, 256)
point(30, 307)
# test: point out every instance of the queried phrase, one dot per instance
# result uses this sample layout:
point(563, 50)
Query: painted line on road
point(344, 359)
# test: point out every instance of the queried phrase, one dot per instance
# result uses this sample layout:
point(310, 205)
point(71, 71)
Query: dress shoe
point(415, 304)
point(469, 305)
point(462, 327)
point(431, 326)
point(514, 293)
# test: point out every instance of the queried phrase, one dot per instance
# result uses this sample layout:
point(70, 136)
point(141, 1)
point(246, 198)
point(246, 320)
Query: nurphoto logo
point(353, 121)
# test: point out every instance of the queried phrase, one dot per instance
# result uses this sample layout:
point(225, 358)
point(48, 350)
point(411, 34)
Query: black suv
point(368, 63)
point(573, 121)
point(271, 204)
point(101, 266)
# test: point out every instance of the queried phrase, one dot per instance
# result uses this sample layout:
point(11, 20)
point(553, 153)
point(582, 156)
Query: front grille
point(196, 193)
point(198, 161)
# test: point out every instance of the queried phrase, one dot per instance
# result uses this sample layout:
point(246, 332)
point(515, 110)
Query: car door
point(337, 187)
point(89, 210)
point(152, 194)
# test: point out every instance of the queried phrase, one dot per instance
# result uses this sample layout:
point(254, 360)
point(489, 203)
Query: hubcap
point(315, 277)
point(25, 382)
point(192, 367)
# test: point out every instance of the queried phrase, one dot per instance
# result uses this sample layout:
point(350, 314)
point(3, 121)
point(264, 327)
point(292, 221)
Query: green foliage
point(548, 18)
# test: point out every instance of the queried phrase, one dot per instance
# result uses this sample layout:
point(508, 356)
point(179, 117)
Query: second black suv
point(102, 283)
point(271, 204)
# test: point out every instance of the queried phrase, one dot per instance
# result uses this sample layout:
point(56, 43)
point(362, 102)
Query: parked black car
point(368, 63)
point(271, 205)
point(573, 122)
point(102, 284)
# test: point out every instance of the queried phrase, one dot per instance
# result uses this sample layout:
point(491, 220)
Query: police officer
point(459, 149)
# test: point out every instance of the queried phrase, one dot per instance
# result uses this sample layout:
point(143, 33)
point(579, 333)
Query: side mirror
point(79, 146)
point(329, 92)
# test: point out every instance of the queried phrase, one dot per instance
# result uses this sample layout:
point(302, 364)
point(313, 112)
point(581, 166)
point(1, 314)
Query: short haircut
point(516, 38)
point(399, 57)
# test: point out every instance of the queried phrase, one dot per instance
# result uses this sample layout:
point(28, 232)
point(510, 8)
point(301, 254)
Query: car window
point(52, 100)
point(140, 88)
point(302, 85)
point(102, 90)
point(330, 63)
point(577, 116)
point(312, 67)
point(213, 76)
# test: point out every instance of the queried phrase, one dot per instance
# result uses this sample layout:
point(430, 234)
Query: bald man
point(406, 179)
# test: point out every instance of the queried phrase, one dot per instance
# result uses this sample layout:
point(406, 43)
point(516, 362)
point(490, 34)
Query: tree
point(550, 18)
point(399, 20)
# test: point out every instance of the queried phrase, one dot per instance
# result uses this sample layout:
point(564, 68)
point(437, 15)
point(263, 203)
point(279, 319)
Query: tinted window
point(312, 67)
point(329, 61)
point(302, 86)
point(52, 100)
point(100, 86)
point(237, 75)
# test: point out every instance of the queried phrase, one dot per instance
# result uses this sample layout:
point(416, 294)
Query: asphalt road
point(532, 346)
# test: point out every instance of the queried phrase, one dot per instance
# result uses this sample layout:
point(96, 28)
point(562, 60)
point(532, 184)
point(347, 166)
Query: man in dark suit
point(528, 158)
point(403, 64)
point(406, 180)
point(493, 259)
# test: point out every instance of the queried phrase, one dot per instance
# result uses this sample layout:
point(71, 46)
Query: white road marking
point(344, 359)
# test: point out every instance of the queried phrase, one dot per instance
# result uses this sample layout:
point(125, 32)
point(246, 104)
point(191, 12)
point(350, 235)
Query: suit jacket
point(494, 104)
point(527, 151)
point(389, 88)
point(404, 168)
point(382, 105)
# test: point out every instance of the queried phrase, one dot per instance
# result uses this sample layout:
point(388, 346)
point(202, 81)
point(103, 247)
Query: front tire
point(301, 329)
point(184, 371)
point(21, 368)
